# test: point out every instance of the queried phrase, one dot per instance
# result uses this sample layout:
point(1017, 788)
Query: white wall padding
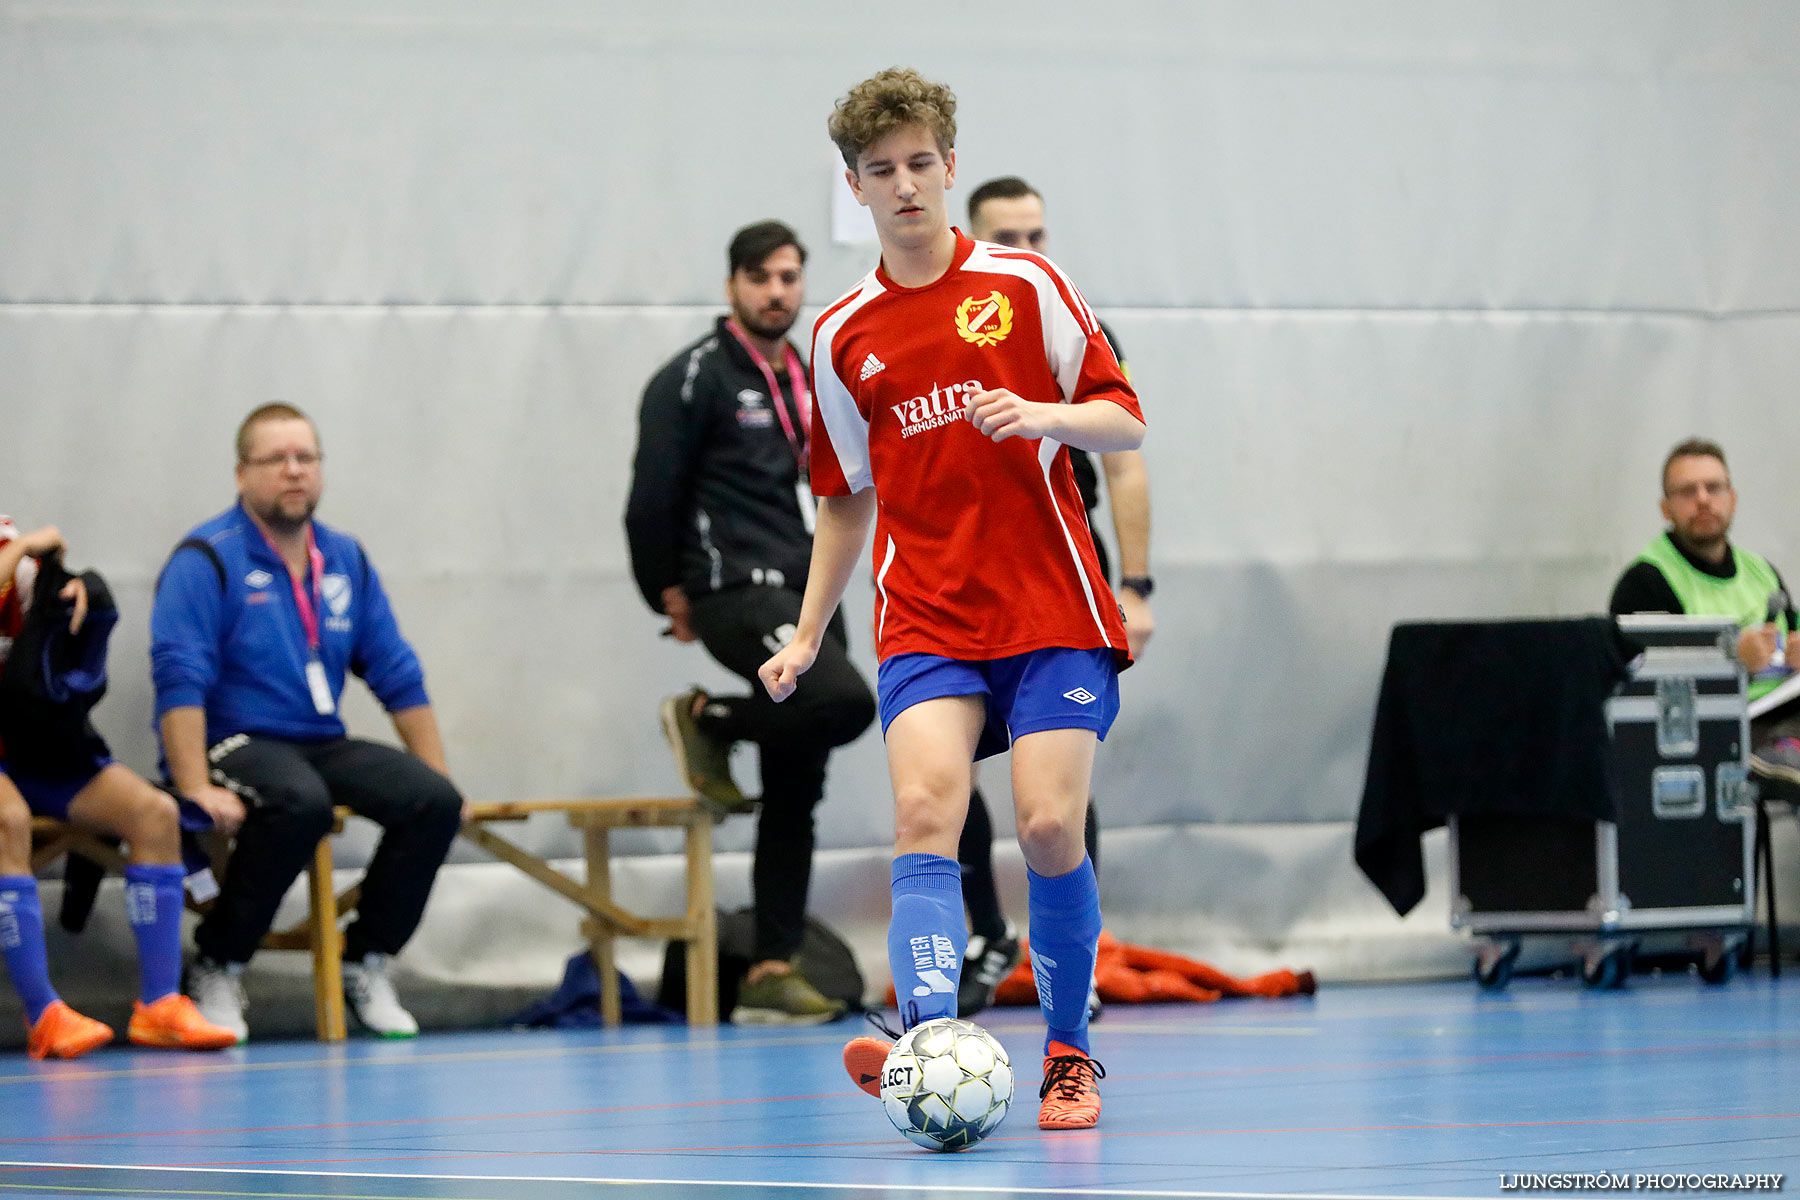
point(1417, 295)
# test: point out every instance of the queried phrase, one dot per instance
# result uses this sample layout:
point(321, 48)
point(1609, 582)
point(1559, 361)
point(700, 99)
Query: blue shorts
point(52, 797)
point(1054, 688)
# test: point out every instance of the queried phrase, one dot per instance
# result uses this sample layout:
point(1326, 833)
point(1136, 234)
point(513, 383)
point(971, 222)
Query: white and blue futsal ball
point(947, 1084)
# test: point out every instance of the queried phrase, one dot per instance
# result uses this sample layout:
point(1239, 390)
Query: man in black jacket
point(720, 528)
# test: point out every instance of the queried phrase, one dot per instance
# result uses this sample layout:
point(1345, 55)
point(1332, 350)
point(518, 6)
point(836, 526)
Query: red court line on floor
point(387, 1122)
point(1399, 1064)
point(1434, 1127)
point(1471, 1060)
point(1223, 1072)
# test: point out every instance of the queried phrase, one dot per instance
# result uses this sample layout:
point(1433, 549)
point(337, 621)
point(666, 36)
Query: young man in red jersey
point(952, 382)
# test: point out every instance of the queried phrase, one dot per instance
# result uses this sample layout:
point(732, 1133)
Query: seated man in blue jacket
point(259, 614)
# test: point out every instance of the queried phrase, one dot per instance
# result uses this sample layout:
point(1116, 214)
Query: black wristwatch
point(1143, 585)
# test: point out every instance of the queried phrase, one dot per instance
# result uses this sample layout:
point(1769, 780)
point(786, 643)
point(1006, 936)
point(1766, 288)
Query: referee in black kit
point(720, 523)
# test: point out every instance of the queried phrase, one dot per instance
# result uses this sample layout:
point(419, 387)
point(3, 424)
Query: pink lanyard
point(799, 439)
point(308, 605)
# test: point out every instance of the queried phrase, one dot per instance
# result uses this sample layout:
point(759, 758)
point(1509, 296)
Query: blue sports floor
point(1399, 1090)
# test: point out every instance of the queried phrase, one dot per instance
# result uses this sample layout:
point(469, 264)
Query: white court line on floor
point(1179, 1029)
point(921, 1188)
point(334, 1055)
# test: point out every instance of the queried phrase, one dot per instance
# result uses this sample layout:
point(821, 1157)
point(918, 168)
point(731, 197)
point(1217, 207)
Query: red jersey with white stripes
point(15, 596)
point(981, 548)
point(15, 592)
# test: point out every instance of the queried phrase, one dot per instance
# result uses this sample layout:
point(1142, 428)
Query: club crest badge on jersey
point(336, 590)
point(984, 320)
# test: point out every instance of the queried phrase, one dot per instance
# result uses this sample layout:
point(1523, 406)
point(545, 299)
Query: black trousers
point(832, 706)
point(289, 790)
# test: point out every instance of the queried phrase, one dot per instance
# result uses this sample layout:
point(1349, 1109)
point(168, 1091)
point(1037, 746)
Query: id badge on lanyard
point(320, 686)
point(316, 682)
point(809, 506)
point(798, 438)
point(324, 703)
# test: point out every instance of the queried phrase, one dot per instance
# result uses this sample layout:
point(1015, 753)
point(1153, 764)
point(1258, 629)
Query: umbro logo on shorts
point(871, 366)
point(1080, 696)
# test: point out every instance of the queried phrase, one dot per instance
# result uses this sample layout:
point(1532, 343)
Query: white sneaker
point(370, 994)
point(217, 990)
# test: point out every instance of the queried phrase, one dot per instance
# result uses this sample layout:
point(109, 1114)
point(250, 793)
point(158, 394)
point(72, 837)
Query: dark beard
point(1708, 548)
point(281, 523)
point(772, 327)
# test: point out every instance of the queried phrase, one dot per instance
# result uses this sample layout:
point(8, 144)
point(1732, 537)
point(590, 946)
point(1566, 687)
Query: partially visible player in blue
point(953, 380)
point(87, 789)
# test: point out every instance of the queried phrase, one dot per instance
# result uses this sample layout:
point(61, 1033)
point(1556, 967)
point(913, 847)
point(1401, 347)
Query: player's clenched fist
point(782, 672)
point(1001, 414)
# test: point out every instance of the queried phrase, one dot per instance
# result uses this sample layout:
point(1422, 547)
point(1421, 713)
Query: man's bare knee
point(15, 838)
point(1048, 839)
point(155, 824)
point(121, 803)
point(926, 814)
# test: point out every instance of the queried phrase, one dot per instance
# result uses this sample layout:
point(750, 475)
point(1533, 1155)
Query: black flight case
point(1679, 859)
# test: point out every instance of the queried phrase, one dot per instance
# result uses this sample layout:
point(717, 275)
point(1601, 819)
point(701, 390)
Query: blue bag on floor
point(575, 1004)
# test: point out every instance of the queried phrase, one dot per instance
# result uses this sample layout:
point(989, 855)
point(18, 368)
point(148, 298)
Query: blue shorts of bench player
point(51, 796)
point(1053, 688)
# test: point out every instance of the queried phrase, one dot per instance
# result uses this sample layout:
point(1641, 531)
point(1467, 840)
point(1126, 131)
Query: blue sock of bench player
point(22, 944)
point(1065, 939)
point(926, 937)
point(153, 902)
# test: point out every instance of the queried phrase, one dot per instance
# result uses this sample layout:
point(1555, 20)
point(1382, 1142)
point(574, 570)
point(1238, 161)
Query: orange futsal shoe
point(863, 1058)
point(175, 1023)
point(61, 1032)
point(1071, 1091)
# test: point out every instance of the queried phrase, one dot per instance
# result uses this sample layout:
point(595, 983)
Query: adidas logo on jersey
point(871, 366)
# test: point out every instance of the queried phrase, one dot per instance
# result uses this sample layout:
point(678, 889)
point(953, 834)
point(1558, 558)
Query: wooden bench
point(318, 932)
point(605, 920)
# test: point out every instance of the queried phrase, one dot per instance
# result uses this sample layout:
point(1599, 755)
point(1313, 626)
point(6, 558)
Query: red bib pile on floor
point(1128, 974)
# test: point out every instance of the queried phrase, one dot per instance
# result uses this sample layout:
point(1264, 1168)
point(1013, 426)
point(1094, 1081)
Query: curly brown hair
point(890, 100)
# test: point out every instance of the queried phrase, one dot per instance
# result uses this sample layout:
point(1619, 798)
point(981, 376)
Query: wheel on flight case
point(1718, 963)
point(1494, 964)
point(1609, 970)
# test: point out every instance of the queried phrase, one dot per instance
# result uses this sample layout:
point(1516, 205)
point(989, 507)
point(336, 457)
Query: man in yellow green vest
point(1692, 567)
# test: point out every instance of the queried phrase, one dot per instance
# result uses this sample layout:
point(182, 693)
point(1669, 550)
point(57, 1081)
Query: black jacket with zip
point(715, 489)
point(53, 678)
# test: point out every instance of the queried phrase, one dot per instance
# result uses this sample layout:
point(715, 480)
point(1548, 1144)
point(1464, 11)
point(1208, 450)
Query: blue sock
point(1065, 939)
point(22, 944)
point(153, 902)
point(926, 937)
